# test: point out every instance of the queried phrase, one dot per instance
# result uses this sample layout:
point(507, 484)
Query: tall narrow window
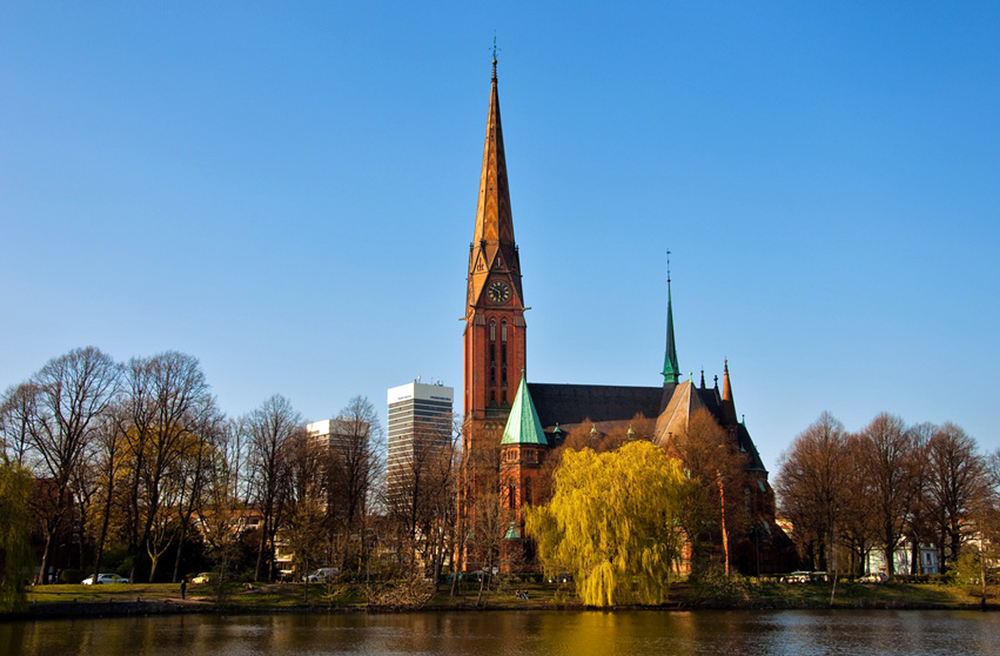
point(503, 331)
point(527, 491)
point(503, 365)
point(493, 330)
point(510, 496)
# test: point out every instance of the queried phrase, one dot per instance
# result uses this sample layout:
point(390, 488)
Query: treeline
point(135, 466)
point(887, 488)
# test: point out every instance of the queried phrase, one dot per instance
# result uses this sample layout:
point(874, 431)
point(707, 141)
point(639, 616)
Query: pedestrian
point(184, 583)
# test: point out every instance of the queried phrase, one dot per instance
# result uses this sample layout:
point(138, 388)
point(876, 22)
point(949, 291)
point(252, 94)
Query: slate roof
point(567, 404)
point(570, 404)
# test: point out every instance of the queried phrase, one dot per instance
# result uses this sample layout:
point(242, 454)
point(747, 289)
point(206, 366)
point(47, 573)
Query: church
point(532, 418)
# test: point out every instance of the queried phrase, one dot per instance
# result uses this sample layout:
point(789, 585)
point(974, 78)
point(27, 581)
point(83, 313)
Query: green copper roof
point(671, 372)
point(523, 425)
point(512, 533)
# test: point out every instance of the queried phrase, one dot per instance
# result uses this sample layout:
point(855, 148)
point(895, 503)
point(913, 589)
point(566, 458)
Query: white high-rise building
point(420, 423)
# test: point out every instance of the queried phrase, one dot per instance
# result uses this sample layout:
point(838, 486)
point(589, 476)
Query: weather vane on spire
point(668, 266)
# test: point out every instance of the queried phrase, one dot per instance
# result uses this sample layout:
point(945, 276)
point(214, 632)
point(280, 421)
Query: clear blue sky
point(287, 192)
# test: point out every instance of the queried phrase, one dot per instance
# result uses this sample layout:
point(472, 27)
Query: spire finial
point(495, 49)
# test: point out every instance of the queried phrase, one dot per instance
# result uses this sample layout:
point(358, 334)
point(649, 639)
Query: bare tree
point(957, 481)
point(69, 394)
point(422, 488)
point(858, 531)
point(355, 464)
point(716, 472)
point(222, 517)
point(17, 414)
point(269, 432)
point(889, 467)
point(168, 406)
point(108, 462)
point(305, 528)
point(814, 487)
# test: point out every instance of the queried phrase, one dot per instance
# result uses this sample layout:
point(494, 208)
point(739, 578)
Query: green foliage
point(714, 586)
point(612, 523)
point(15, 522)
point(71, 576)
point(968, 569)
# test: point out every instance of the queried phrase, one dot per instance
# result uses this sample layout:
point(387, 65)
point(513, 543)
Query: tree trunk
point(45, 561)
point(181, 535)
point(261, 546)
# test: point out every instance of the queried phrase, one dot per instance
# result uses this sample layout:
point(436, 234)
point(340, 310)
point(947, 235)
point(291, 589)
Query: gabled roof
point(523, 426)
point(682, 406)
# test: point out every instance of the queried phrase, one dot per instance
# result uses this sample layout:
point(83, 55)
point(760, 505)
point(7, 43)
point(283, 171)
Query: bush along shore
point(63, 601)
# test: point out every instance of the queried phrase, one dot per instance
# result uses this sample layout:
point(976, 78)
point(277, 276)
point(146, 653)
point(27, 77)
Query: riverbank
point(69, 601)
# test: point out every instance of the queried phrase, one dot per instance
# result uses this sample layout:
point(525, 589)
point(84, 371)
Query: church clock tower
point(494, 308)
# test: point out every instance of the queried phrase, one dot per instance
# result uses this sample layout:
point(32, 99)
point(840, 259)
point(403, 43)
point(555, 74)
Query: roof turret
point(523, 425)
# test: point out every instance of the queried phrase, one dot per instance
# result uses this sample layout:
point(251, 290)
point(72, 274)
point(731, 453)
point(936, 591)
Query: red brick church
point(529, 419)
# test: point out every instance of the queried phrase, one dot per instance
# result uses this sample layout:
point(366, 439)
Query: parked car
point(797, 577)
point(104, 578)
point(874, 577)
point(321, 575)
point(204, 577)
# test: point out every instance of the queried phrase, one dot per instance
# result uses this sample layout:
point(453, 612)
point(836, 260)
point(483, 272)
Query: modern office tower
point(420, 429)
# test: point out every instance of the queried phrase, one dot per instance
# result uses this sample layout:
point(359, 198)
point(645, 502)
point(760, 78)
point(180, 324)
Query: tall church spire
point(493, 247)
point(727, 403)
point(494, 310)
point(727, 388)
point(671, 371)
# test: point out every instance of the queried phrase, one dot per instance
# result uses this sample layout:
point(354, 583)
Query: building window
point(503, 331)
point(527, 491)
point(493, 330)
point(510, 496)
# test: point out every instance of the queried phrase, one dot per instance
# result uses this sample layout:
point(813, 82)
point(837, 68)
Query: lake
point(512, 633)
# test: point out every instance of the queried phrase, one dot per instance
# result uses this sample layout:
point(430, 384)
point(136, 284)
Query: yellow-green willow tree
point(612, 522)
point(15, 524)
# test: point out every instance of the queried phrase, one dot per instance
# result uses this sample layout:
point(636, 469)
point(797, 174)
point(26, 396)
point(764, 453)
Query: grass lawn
point(749, 594)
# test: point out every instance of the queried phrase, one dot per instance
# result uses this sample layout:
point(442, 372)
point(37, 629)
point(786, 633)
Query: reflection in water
point(500, 633)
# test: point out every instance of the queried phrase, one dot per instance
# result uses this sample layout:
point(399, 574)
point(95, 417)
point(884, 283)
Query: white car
point(321, 575)
point(104, 578)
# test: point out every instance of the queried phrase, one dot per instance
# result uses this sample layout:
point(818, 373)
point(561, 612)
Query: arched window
point(493, 330)
point(527, 491)
point(503, 331)
point(511, 496)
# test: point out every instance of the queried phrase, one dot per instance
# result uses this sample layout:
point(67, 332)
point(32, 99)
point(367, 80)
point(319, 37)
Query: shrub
point(71, 575)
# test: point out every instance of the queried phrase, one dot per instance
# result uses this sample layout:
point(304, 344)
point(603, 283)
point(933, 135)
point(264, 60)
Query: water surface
point(503, 633)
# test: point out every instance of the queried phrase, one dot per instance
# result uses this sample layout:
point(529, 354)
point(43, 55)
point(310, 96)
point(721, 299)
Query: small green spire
point(671, 371)
point(523, 425)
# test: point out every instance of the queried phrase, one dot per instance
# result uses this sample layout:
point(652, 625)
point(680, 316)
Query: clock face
point(498, 291)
